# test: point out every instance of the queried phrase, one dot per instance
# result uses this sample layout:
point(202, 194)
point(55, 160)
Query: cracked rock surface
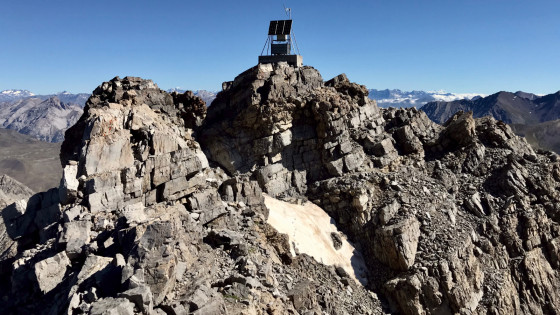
point(160, 209)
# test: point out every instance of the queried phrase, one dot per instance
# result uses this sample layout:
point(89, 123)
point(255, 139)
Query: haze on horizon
point(458, 46)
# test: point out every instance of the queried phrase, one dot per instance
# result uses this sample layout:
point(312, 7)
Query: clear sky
point(481, 46)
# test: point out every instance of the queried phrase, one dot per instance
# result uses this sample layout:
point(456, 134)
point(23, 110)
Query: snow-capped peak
point(399, 98)
point(16, 93)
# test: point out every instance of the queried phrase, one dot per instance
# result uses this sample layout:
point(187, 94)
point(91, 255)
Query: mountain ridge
point(416, 98)
point(45, 120)
point(527, 113)
point(161, 206)
point(518, 108)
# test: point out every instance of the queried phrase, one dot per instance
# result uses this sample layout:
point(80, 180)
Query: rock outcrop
point(11, 190)
point(160, 207)
point(531, 116)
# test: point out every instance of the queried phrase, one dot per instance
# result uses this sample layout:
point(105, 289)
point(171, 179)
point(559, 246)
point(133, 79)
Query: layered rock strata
point(160, 207)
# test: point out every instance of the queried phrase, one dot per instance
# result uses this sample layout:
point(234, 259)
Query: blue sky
point(481, 46)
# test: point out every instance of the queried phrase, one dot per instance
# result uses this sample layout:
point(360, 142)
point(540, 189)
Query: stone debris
point(160, 209)
point(50, 272)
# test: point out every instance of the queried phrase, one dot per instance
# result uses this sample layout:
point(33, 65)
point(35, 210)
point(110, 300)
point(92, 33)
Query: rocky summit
point(162, 207)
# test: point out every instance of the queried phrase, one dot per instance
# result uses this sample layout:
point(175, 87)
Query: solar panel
point(282, 27)
point(272, 27)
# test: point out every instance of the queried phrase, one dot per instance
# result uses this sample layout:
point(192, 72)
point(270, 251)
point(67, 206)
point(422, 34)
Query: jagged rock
point(396, 244)
point(388, 212)
point(118, 306)
point(11, 190)
point(161, 206)
point(302, 296)
point(460, 128)
point(141, 296)
point(69, 183)
point(287, 124)
point(407, 140)
point(475, 206)
point(50, 272)
point(134, 213)
point(337, 241)
point(384, 147)
point(75, 236)
point(17, 218)
point(92, 265)
point(208, 204)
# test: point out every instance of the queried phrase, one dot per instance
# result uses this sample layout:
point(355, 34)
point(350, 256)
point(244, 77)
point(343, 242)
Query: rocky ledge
point(160, 209)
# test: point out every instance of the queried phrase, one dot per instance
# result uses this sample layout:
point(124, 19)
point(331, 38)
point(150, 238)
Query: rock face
point(160, 207)
point(288, 127)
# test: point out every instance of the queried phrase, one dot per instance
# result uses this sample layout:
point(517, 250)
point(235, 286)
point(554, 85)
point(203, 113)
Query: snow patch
point(309, 229)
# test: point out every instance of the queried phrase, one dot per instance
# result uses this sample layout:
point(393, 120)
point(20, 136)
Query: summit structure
point(280, 44)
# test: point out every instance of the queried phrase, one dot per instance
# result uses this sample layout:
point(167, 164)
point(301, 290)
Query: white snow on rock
point(309, 228)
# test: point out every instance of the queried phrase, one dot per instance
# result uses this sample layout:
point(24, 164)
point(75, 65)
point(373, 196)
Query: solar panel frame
point(281, 27)
point(272, 27)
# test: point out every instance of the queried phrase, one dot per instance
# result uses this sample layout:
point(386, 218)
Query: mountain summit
point(161, 207)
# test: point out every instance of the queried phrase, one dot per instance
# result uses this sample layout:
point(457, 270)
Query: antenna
point(288, 11)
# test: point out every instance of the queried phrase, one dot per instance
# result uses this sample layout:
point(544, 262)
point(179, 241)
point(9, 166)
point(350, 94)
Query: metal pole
point(265, 45)
point(295, 41)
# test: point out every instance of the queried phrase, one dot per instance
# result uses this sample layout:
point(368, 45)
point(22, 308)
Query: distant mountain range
point(65, 97)
point(46, 117)
point(10, 95)
point(385, 98)
point(545, 135)
point(535, 117)
point(45, 120)
point(398, 98)
point(512, 108)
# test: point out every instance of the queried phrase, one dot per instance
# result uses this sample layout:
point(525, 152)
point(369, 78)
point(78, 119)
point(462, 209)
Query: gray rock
point(396, 244)
point(69, 183)
point(388, 212)
point(208, 203)
point(11, 191)
point(51, 271)
point(18, 218)
point(475, 206)
point(337, 241)
point(112, 306)
point(200, 297)
point(75, 236)
point(141, 296)
point(92, 265)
